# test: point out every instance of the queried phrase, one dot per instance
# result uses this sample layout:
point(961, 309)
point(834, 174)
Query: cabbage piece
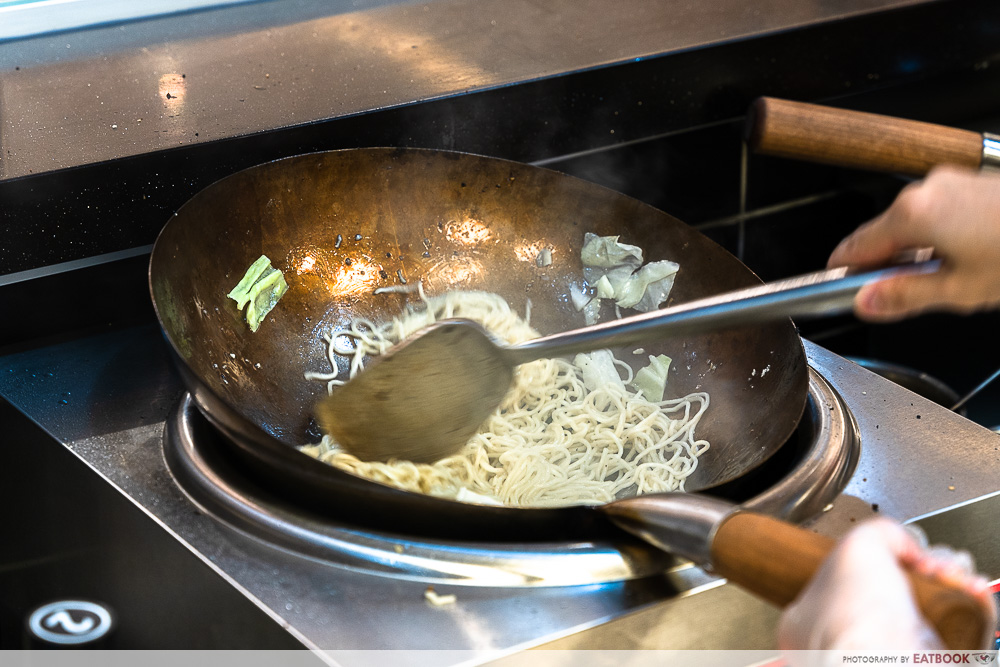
point(241, 293)
point(604, 288)
point(264, 296)
point(607, 285)
point(619, 278)
point(649, 286)
point(657, 293)
point(618, 275)
point(579, 296)
point(651, 380)
point(606, 252)
point(599, 370)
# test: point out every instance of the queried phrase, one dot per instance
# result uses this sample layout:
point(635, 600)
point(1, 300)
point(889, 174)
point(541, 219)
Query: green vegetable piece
point(599, 370)
point(261, 288)
point(604, 288)
point(651, 380)
point(579, 296)
point(618, 278)
point(648, 287)
point(592, 311)
point(241, 293)
point(264, 296)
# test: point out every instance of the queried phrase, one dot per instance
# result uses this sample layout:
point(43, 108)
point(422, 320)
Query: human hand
point(860, 598)
point(955, 211)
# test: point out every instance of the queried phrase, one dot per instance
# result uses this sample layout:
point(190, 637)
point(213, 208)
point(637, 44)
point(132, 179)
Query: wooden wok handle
point(776, 560)
point(854, 139)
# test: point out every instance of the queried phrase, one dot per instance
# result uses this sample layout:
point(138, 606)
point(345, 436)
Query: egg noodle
point(552, 442)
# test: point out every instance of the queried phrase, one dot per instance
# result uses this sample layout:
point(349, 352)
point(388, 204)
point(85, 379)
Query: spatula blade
point(422, 400)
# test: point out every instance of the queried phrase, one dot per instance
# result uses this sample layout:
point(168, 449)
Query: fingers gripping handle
point(776, 560)
point(860, 140)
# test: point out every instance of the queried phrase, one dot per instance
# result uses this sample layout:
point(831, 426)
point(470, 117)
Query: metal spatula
point(428, 395)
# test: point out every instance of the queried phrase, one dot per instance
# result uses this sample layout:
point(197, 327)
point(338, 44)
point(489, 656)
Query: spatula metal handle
point(822, 293)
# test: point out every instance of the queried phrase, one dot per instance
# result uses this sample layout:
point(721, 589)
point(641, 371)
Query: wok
point(339, 224)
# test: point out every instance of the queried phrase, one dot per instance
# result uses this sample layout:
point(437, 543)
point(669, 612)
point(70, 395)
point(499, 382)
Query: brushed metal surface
point(89, 96)
point(969, 526)
point(119, 387)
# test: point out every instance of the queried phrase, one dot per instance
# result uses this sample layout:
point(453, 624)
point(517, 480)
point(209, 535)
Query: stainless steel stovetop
point(106, 398)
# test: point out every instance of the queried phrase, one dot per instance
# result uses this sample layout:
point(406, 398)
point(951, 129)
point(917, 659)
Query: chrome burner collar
point(805, 492)
point(827, 465)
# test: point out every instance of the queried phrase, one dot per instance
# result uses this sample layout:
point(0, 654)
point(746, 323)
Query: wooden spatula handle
point(855, 139)
point(775, 560)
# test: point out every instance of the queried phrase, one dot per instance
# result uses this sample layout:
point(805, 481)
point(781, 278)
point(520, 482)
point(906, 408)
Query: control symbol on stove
point(61, 621)
point(72, 622)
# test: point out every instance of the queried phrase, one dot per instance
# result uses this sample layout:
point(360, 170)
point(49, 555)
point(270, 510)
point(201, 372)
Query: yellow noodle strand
point(551, 443)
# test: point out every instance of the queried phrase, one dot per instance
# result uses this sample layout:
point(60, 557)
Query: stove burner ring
point(823, 469)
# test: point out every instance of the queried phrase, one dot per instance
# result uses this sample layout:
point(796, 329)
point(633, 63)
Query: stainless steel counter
point(106, 397)
point(89, 96)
